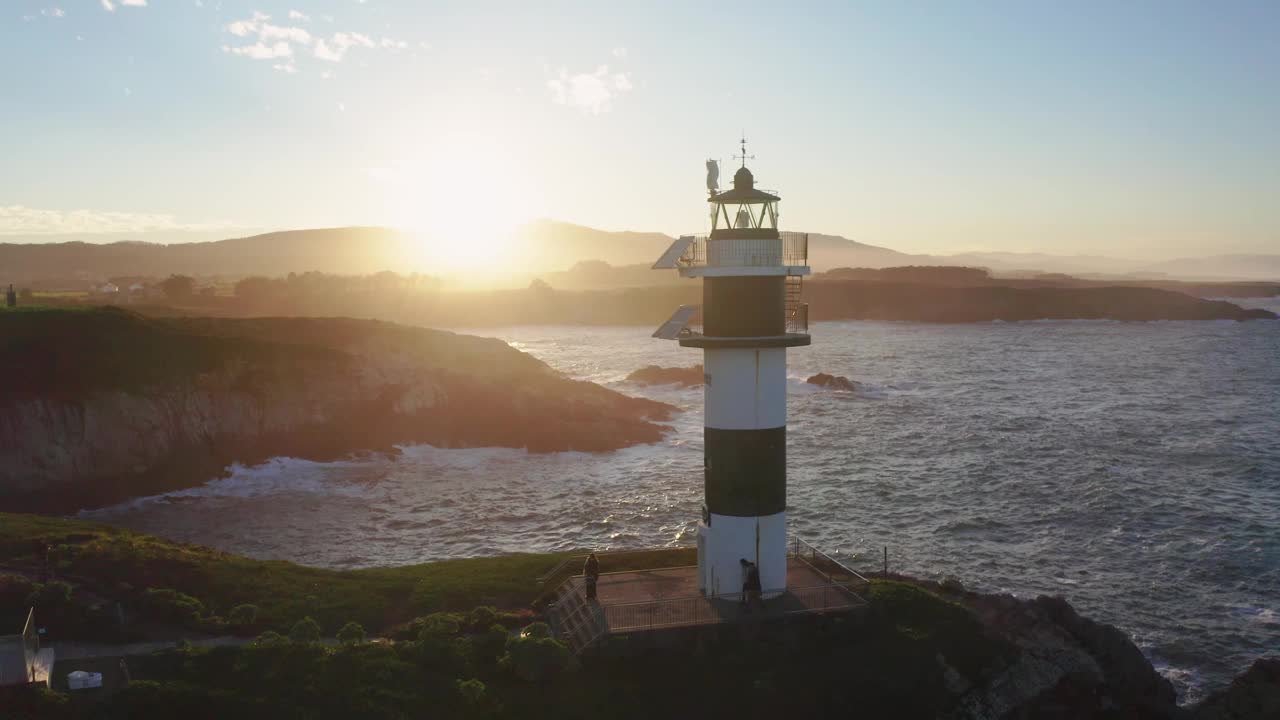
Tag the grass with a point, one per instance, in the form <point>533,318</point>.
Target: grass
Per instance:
<point>881,663</point>
<point>120,565</point>
<point>68,352</point>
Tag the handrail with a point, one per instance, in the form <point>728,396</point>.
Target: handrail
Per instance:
<point>729,596</point>
<point>581,557</point>
<point>816,553</point>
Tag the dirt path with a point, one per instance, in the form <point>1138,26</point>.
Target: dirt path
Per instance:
<point>74,650</point>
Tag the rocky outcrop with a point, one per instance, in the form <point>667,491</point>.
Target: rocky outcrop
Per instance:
<point>103,405</point>
<point>1067,666</point>
<point>655,375</point>
<point>834,382</point>
<point>1255,694</point>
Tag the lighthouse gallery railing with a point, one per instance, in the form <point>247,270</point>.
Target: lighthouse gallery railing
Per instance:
<point>790,249</point>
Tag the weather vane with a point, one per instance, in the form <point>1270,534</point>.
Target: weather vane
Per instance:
<point>744,157</point>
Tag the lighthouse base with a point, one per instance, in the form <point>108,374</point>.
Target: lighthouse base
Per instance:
<point>726,540</point>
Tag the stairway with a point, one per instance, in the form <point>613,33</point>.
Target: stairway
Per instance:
<point>793,296</point>
<point>575,620</point>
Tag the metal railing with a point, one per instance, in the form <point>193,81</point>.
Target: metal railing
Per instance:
<point>789,249</point>
<point>798,319</point>
<point>830,568</point>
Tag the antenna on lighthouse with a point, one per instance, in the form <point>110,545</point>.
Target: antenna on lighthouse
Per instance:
<point>744,157</point>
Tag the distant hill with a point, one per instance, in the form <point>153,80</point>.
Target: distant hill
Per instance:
<point>357,250</point>
<point>540,249</point>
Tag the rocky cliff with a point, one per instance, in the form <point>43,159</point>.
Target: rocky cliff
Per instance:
<point>101,405</point>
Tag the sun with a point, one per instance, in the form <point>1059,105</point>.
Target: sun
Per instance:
<point>461,196</point>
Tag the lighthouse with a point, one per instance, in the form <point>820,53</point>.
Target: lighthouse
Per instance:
<point>750,314</point>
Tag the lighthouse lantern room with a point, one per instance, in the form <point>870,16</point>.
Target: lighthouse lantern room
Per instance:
<point>750,314</point>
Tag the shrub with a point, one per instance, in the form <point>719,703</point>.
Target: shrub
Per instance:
<point>167,604</point>
<point>53,595</point>
<point>536,631</point>
<point>270,638</point>
<point>472,691</point>
<point>438,643</point>
<point>243,616</point>
<point>536,659</point>
<point>481,618</point>
<point>305,630</point>
<point>489,645</point>
<point>15,590</point>
<point>351,633</point>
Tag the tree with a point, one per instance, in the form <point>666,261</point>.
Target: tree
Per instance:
<point>178,287</point>
<point>305,630</point>
<point>243,616</point>
<point>351,633</point>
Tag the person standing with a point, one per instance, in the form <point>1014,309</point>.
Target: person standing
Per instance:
<point>591,571</point>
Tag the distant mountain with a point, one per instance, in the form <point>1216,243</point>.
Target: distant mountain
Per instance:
<point>551,245</point>
<point>543,248</point>
<point>1252,267</point>
<point>354,250</point>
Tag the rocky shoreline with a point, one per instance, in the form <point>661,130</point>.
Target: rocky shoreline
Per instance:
<point>1065,665</point>
<point>217,392</point>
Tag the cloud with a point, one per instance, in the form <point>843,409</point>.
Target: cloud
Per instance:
<point>324,52</point>
<point>336,48</point>
<point>261,51</point>
<point>245,28</point>
<point>620,52</point>
<point>134,3</point>
<point>20,220</point>
<point>108,6</point>
<point>589,92</point>
<point>56,12</point>
<point>271,42</point>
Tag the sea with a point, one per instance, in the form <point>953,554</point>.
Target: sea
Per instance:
<point>1130,467</point>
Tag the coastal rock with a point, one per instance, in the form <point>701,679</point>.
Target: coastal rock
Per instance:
<point>1067,666</point>
<point>1255,694</point>
<point>655,375</point>
<point>100,406</point>
<point>834,382</point>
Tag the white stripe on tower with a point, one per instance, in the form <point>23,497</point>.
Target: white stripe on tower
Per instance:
<point>748,388</point>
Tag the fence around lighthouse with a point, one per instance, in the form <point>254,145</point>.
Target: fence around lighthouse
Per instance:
<point>828,586</point>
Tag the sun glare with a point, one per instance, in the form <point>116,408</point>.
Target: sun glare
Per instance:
<point>462,196</point>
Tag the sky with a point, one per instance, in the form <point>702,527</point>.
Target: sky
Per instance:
<point>1135,129</point>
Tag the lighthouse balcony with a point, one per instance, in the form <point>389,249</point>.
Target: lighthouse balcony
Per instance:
<point>739,252</point>
<point>685,325</point>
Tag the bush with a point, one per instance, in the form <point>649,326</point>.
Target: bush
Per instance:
<point>481,618</point>
<point>167,604</point>
<point>243,616</point>
<point>351,633</point>
<point>489,645</point>
<point>305,630</point>
<point>472,691</point>
<point>270,638</point>
<point>536,631</point>
<point>536,659</point>
<point>53,595</point>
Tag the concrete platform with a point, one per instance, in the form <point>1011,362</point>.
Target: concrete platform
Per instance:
<point>668,597</point>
